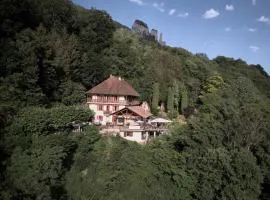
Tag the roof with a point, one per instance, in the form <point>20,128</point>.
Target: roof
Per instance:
<point>114,86</point>
<point>140,111</point>
<point>141,23</point>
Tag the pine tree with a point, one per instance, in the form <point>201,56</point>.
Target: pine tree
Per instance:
<point>176,98</point>
<point>170,100</point>
<point>183,98</point>
<point>155,97</point>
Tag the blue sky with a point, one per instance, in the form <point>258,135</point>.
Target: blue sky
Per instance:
<point>233,28</point>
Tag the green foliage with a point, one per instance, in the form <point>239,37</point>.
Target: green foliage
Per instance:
<point>170,100</point>
<point>53,51</point>
<point>35,120</point>
<point>37,172</point>
<point>213,83</point>
<point>130,166</point>
<point>176,95</point>
<point>155,98</point>
<point>183,98</point>
<point>72,93</point>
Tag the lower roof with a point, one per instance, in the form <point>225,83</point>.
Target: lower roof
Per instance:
<point>138,110</point>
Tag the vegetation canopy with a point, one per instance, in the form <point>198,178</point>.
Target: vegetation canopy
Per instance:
<point>53,51</point>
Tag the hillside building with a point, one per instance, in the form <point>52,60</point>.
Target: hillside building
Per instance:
<point>109,96</point>
<point>118,111</point>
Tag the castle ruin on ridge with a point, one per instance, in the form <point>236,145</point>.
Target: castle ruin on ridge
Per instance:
<point>142,29</point>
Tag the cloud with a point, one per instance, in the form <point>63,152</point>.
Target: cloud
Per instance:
<point>254,48</point>
<point>228,29</point>
<point>183,15</point>
<point>263,19</point>
<point>209,14</point>
<point>159,6</point>
<point>229,7</point>
<point>139,2</point>
<point>254,2</point>
<point>172,11</point>
<point>252,29</point>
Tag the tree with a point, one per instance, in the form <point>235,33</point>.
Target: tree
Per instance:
<point>183,98</point>
<point>52,51</point>
<point>72,93</point>
<point>37,172</point>
<point>213,83</point>
<point>176,95</point>
<point>172,113</point>
<point>170,100</point>
<point>155,97</point>
<point>95,36</point>
<point>42,121</point>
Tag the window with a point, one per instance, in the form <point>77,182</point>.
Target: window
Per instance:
<point>108,108</point>
<point>113,98</point>
<point>130,134</point>
<point>120,120</point>
<point>115,108</point>
<point>99,107</point>
<point>100,118</point>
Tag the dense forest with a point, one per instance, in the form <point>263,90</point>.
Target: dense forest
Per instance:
<point>53,51</point>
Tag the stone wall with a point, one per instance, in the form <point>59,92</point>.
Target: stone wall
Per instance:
<point>141,29</point>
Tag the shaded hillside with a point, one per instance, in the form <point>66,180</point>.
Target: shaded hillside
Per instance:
<point>119,25</point>
<point>53,51</point>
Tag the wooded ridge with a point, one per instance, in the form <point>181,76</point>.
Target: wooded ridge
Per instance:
<point>52,52</point>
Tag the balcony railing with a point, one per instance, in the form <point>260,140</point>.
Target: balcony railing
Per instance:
<point>108,112</point>
<point>143,128</point>
<point>89,100</point>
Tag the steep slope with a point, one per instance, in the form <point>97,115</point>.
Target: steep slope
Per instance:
<point>54,51</point>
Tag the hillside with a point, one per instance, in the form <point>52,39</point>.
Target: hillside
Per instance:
<point>53,51</point>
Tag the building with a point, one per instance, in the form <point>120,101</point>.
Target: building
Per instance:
<point>154,33</point>
<point>161,42</point>
<point>109,96</point>
<point>119,112</point>
<point>140,28</point>
<point>136,123</point>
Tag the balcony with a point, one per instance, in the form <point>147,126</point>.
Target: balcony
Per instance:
<point>107,101</point>
<point>107,112</point>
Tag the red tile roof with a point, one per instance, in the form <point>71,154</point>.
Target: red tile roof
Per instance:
<point>114,86</point>
<point>140,111</point>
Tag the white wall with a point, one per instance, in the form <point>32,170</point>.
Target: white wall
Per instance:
<point>121,98</point>
<point>137,136</point>
<point>94,107</point>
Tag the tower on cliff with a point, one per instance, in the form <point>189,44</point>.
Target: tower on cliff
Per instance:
<point>140,27</point>
<point>154,33</point>
<point>160,38</point>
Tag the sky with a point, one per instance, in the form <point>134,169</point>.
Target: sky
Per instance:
<point>232,28</point>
